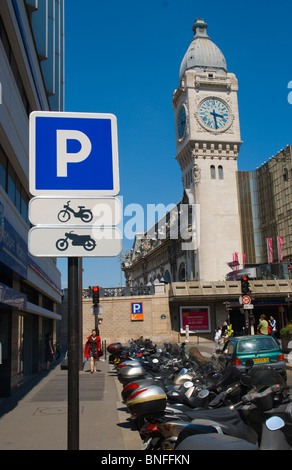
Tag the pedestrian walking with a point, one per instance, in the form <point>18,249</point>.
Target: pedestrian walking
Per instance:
<point>49,350</point>
<point>92,350</point>
<point>218,335</point>
<point>263,326</point>
<point>273,325</point>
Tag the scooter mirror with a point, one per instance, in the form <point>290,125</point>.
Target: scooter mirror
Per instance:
<point>188,384</point>
<point>203,393</point>
<point>275,423</point>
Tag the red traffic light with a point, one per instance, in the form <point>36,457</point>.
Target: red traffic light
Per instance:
<point>95,295</point>
<point>245,285</point>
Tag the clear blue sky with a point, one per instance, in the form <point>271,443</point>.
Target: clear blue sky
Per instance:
<point>123,57</point>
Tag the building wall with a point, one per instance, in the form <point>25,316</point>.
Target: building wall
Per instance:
<point>116,323</point>
<point>265,197</point>
<point>34,283</point>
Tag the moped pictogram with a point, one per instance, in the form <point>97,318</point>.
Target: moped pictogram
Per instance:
<point>84,214</point>
<point>77,240</point>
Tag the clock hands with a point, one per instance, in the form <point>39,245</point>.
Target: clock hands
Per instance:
<point>215,115</point>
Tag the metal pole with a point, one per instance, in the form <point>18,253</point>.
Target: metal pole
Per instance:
<point>73,355</point>
<point>80,306</point>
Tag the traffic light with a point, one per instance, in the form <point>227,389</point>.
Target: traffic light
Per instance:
<point>245,285</point>
<point>95,295</point>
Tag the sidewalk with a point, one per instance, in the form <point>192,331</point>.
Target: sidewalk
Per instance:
<point>37,420</point>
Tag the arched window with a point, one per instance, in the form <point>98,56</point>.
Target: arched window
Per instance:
<point>220,172</point>
<point>213,172</point>
<point>182,274</point>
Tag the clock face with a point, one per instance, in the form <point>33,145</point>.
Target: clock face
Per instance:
<point>182,122</point>
<point>214,114</point>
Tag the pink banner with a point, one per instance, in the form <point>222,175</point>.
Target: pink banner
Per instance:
<point>280,249</point>
<point>270,249</point>
<point>198,319</point>
<point>243,259</point>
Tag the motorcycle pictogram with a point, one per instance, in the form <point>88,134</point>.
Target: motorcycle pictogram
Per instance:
<point>84,214</point>
<point>77,240</point>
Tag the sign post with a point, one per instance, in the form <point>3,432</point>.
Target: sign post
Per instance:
<point>73,354</point>
<point>74,176</point>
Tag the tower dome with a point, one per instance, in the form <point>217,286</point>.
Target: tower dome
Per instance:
<point>202,52</point>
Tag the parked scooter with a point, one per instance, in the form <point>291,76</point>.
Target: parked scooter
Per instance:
<point>267,413</point>
<point>169,430</point>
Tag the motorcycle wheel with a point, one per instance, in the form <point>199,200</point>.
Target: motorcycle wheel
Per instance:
<point>63,216</point>
<point>87,216</point>
<point>89,245</point>
<point>62,244</point>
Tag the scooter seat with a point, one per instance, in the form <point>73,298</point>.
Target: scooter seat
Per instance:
<point>241,430</point>
<point>215,442</point>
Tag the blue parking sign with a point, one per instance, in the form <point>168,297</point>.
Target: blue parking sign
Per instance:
<point>136,307</point>
<point>73,153</point>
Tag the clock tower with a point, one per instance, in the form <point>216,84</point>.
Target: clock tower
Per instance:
<point>207,143</point>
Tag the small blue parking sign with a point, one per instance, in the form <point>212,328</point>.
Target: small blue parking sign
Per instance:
<point>73,153</point>
<point>136,307</point>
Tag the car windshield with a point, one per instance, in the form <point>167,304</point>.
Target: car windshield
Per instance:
<point>253,345</point>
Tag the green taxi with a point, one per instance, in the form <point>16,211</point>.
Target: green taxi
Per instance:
<point>262,349</point>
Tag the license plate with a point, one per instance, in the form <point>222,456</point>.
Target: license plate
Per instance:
<point>261,359</point>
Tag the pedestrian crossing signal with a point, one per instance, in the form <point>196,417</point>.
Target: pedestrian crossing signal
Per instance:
<point>245,285</point>
<point>95,295</point>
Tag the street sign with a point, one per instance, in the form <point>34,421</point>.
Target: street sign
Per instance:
<point>79,211</point>
<point>137,311</point>
<point>98,308</point>
<point>77,241</point>
<point>73,153</point>
<point>246,300</point>
<point>248,307</point>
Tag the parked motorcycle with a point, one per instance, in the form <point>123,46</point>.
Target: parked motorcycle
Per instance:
<point>168,431</point>
<point>268,414</point>
<point>177,402</point>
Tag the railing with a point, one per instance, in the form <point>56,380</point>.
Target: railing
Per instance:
<point>120,291</point>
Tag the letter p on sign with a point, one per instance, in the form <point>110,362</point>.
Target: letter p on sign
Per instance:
<point>63,157</point>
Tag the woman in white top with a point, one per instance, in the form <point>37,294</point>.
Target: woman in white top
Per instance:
<point>217,338</point>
